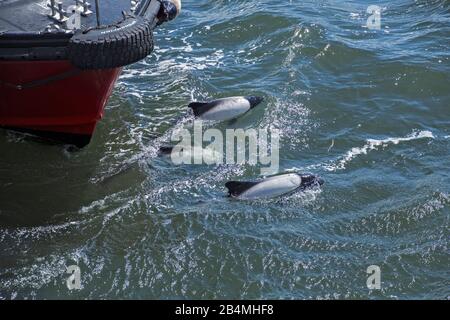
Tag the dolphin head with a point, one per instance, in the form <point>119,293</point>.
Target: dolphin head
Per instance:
<point>309,180</point>
<point>254,101</point>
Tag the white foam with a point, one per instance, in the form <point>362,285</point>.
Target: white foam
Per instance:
<point>291,119</point>
<point>374,144</point>
<point>38,232</point>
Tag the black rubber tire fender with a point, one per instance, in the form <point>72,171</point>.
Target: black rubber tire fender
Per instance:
<point>113,46</point>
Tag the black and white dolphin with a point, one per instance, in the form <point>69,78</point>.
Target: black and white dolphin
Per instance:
<point>272,187</point>
<point>208,155</point>
<point>224,109</point>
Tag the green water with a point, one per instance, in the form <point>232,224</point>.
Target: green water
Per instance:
<point>367,110</point>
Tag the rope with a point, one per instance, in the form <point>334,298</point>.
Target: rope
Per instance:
<point>41,82</point>
<point>97,12</point>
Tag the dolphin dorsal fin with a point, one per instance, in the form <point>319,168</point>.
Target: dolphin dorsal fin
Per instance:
<point>236,188</point>
<point>200,108</point>
<point>166,149</point>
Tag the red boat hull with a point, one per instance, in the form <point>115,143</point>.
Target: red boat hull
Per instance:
<point>52,98</point>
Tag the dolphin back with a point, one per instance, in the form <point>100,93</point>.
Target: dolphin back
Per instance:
<point>274,186</point>
<point>221,109</point>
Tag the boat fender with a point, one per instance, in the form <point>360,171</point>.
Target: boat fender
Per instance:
<point>118,45</point>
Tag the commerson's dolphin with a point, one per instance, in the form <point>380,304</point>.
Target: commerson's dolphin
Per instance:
<point>224,109</point>
<point>209,156</point>
<point>272,187</point>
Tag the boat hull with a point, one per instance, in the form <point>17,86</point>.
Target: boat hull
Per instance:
<point>54,99</point>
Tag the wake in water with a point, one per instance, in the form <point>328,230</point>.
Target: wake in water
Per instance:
<point>374,144</point>
<point>370,145</point>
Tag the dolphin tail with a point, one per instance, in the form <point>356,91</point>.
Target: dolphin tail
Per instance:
<point>235,188</point>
